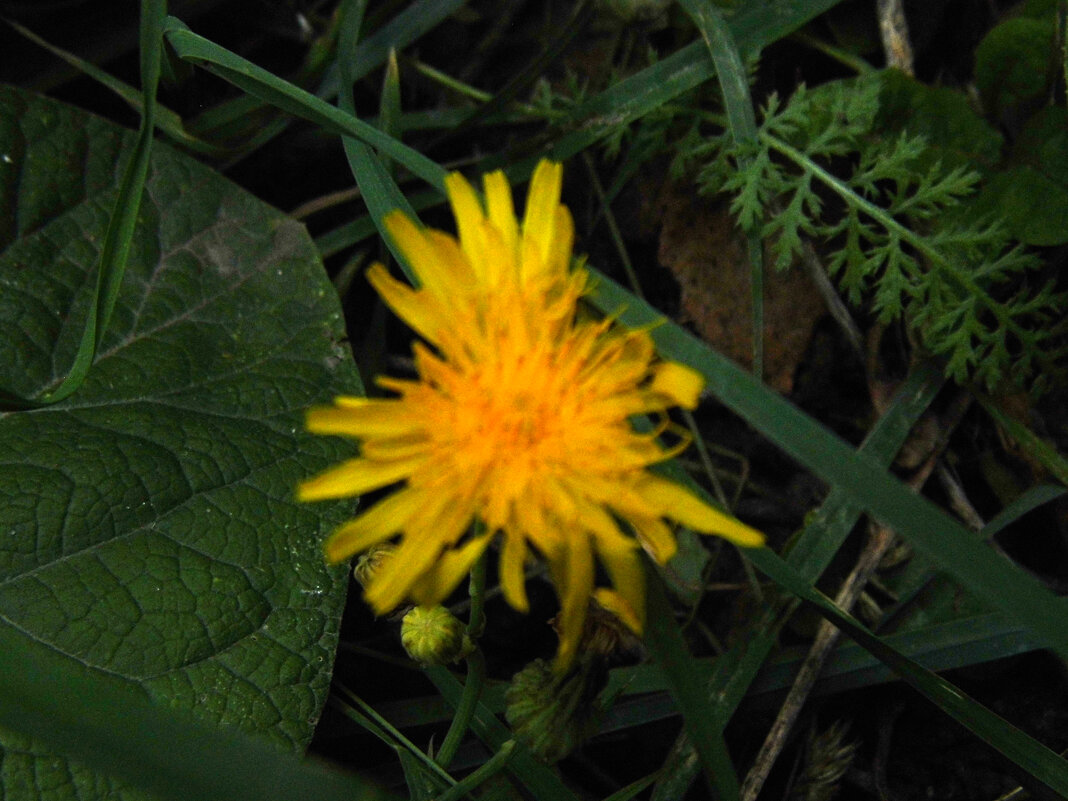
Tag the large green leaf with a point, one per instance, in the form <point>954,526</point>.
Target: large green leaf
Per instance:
<point>148,527</point>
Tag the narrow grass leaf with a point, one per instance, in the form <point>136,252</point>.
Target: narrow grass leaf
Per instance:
<point>753,29</point>
<point>1028,753</point>
<point>378,189</point>
<point>116,246</point>
<point>269,87</point>
<point>1037,447</point>
<point>414,21</point>
<point>930,530</point>
<point>687,686</point>
<point>167,121</point>
<point>1028,502</point>
<point>738,103</point>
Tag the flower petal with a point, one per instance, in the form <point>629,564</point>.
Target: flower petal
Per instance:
<point>421,252</point>
<point>620,557</point>
<point>467,210</point>
<point>573,577</point>
<point>500,208</point>
<point>513,581</point>
<point>655,537</point>
<point>543,199</point>
<point>408,304</point>
<point>436,584</point>
<point>378,523</point>
<point>436,526</point>
<point>362,418</point>
<point>679,504</point>
<point>678,382</point>
<point>355,477</point>
<point>620,607</point>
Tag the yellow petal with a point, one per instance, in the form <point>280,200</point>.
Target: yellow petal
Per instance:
<point>393,581</point>
<point>436,584</point>
<point>418,249</point>
<point>500,209</point>
<point>469,218</point>
<point>680,383</point>
<point>362,417</point>
<point>411,306</point>
<point>574,590</point>
<point>543,199</point>
<point>655,537</point>
<point>618,606</point>
<point>378,523</point>
<point>678,504</point>
<point>620,557</point>
<point>457,275</point>
<point>513,561</point>
<point>558,255</point>
<point>355,477</point>
<point>435,527</point>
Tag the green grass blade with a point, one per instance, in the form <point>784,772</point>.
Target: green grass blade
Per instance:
<point>1029,501</point>
<point>356,231</point>
<point>1037,447</point>
<point>810,553</point>
<point>268,87</point>
<point>417,19</point>
<point>167,121</point>
<point>117,239</point>
<point>926,527</point>
<point>112,727</point>
<point>686,685</point>
<point>753,30</point>
<point>734,84</point>
<point>1028,753</point>
<point>380,192</point>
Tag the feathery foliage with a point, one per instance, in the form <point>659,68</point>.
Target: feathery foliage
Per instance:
<point>895,229</point>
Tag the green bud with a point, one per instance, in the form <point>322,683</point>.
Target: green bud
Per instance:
<point>369,563</point>
<point>433,636</point>
<point>550,713</point>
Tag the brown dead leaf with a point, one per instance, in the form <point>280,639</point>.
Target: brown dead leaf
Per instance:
<point>701,245</point>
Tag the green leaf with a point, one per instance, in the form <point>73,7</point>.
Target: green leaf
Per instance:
<point>954,133</point>
<point>1032,194</point>
<point>1013,63</point>
<point>149,526</point>
<point>109,723</point>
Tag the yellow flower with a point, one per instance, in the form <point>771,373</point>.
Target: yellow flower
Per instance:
<point>519,418</point>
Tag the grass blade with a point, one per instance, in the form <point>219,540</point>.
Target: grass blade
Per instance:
<point>687,687</point>
<point>117,239</point>
<point>268,87</point>
<point>1032,756</point>
<point>976,566</point>
<point>742,122</point>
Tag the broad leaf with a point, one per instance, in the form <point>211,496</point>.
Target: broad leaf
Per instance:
<point>148,527</point>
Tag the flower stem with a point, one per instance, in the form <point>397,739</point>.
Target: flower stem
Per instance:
<point>491,767</point>
<point>476,668</point>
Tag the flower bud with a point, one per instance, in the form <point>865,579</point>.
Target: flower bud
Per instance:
<point>434,636</point>
<point>550,713</point>
<point>369,563</point>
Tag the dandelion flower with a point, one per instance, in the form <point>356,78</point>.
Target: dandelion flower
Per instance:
<point>519,419</point>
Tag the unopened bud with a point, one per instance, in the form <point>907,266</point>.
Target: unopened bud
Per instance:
<point>553,714</point>
<point>369,563</point>
<point>434,636</point>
